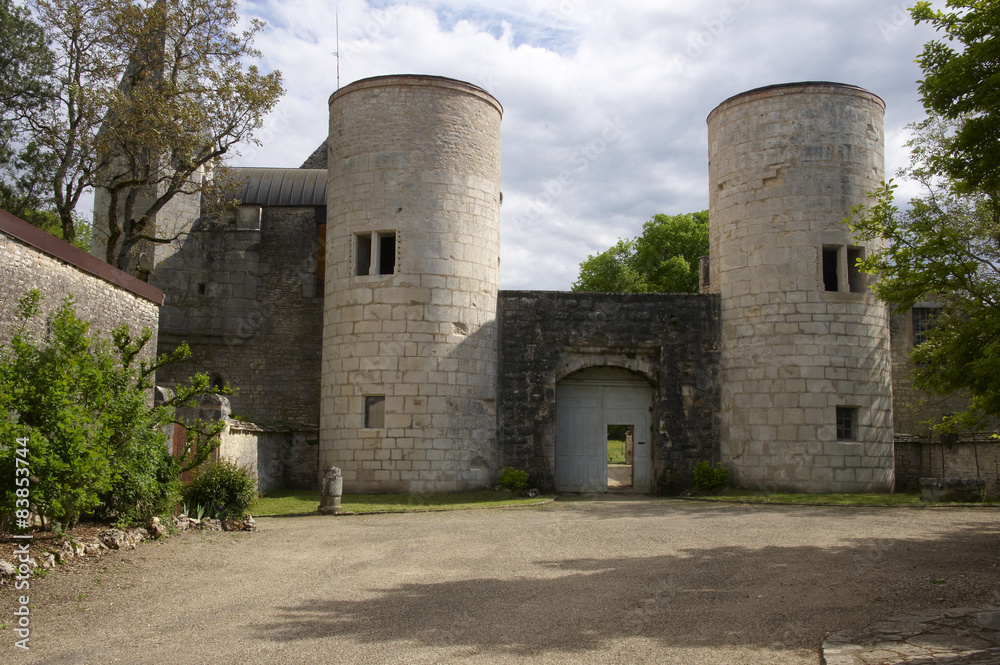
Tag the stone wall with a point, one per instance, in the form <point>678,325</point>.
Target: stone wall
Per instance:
<point>912,407</point>
<point>669,339</point>
<point>245,293</point>
<point>282,459</point>
<point>977,458</point>
<point>102,295</point>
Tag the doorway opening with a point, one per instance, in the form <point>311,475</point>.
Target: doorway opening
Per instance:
<point>587,402</point>
<point>621,445</point>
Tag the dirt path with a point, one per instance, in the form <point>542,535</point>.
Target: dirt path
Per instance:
<point>621,581</point>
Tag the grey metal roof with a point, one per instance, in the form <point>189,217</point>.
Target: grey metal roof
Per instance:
<point>280,187</point>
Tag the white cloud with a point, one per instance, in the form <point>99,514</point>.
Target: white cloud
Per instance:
<point>566,70</point>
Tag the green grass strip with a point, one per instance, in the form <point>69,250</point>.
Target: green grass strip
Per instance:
<point>899,499</point>
<point>301,502</point>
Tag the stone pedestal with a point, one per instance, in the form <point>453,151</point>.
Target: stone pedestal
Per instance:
<point>330,493</point>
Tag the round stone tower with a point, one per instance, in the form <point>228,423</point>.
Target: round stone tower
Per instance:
<point>408,397</point>
<point>806,391</point>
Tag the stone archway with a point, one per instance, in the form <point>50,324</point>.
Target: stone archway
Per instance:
<point>587,403</point>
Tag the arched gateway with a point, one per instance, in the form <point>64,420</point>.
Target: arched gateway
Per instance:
<point>591,406</point>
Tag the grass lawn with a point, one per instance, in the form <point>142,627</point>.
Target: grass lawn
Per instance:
<point>299,502</point>
<point>616,452</point>
<point>901,499</point>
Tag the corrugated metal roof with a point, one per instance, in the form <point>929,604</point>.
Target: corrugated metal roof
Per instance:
<point>280,187</point>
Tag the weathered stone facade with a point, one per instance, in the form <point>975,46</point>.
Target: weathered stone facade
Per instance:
<point>244,292</point>
<point>806,392</point>
<point>357,297</point>
<point>972,457</point>
<point>102,295</point>
<point>670,340</point>
<point>413,255</point>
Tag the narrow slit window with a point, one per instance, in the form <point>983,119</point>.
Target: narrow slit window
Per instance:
<point>362,253</point>
<point>847,423</point>
<point>855,278</point>
<point>374,411</point>
<point>831,277</point>
<point>387,253</point>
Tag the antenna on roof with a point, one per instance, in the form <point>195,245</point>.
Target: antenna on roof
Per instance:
<point>337,52</point>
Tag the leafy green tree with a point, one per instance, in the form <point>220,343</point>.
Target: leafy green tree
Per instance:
<point>664,259</point>
<point>96,445</point>
<point>26,63</point>
<point>945,247</point>
<point>961,80</point>
<point>150,94</point>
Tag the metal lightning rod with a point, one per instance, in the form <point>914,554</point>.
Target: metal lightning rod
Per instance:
<point>337,52</point>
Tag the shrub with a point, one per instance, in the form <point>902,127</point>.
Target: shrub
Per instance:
<point>708,478</point>
<point>223,488</point>
<point>95,444</point>
<point>513,479</point>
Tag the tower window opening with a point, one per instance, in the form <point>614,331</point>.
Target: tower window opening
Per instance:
<point>387,253</point>
<point>855,278</point>
<point>362,253</point>
<point>375,253</point>
<point>374,411</point>
<point>847,423</point>
<point>831,276</point>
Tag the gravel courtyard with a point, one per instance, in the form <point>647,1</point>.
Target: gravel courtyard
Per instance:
<point>609,581</point>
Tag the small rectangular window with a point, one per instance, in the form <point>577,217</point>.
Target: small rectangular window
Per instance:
<point>831,276</point>
<point>374,411</point>
<point>362,253</point>
<point>855,278</point>
<point>847,423</point>
<point>387,253</point>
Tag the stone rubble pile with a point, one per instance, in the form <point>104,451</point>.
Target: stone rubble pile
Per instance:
<point>69,548</point>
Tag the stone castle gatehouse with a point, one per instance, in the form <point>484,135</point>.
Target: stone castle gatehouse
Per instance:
<point>355,302</point>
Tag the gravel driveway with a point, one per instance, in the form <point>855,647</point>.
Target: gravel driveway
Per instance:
<point>612,581</point>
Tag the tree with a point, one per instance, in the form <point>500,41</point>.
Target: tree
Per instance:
<point>964,84</point>
<point>945,247</point>
<point>664,259</point>
<point>96,446</point>
<point>150,95</point>
<point>26,63</point>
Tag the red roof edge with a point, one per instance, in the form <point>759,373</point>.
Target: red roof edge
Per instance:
<point>62,250</point>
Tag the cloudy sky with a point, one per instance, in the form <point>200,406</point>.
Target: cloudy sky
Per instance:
<point>615,92</point>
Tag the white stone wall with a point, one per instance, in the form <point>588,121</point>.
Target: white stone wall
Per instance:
<point>786,165</point>
<point>103,305</point>
<point>420,157</point>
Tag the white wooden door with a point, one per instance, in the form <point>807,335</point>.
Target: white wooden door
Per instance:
<point>628,405</point>
<point>583,412</point>
<point>581,439</point>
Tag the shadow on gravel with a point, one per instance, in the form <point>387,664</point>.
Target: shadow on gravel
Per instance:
<point>774,597</point>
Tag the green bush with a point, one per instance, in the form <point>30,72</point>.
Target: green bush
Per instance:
<point>223,488</point>
<point>513,479</point>
<point>95,446</point>
<point>708,478</point>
